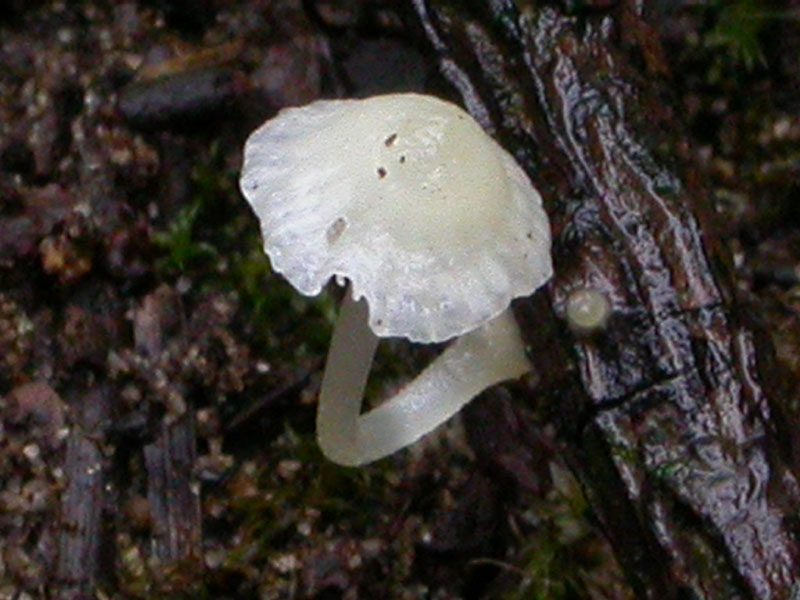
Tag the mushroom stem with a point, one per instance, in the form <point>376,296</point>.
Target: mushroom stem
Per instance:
<point>475,361</point>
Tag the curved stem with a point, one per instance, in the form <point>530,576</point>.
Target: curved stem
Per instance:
<point>475,361</point>
<point>349,361</point>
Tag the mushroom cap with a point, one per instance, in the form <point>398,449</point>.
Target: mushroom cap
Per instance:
<point>407,197</point>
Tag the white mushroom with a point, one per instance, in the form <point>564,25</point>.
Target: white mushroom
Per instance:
<point>436,228</point>
<point>587,311</point>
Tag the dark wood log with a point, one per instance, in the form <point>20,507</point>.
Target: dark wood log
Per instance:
<point>663,414</point>
<point>172,492</point>
<point>81,533</point>
<point>174,500</point>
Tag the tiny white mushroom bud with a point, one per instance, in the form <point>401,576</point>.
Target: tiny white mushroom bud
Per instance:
<point>587,311</point>
<point>435,227</point>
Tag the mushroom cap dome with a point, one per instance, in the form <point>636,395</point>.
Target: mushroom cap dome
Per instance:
<point>407,197</point>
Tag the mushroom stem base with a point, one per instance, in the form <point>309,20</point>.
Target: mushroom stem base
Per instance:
<point>477,360</point>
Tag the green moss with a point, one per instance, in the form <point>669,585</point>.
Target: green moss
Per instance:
<point>214,243</point>
<point>181,249</point>
<point>738,31</point>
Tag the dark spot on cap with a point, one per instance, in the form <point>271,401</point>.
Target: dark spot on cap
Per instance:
<point>529,235</point>
<point>402,158</point>
<point>335,230</point>
<point>389,141</point>
<point>381,172</point>
<point>378,321</point>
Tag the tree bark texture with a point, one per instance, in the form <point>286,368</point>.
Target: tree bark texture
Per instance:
<point>663,414</point>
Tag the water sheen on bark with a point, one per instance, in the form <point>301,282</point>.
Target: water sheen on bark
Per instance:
<point>667,417</point>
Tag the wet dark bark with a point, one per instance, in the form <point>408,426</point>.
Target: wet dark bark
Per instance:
<point>664,414</point>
